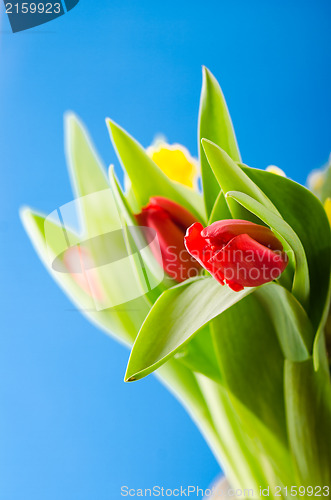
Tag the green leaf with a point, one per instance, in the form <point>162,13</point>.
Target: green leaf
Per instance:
<point>146,177</point>
<point>307,217</point>
<point>123,323</point>
<point>290,321</point>
<point>214,124</point>
<point>199,355</point>
<point>252,363</point>
<point>285,232</point>
<point>322,331</point>
<point>104,217</point>
<point>251,360</point>
<point>99,216</point>
<point>87,173</point>
<point>266,452</point>
<point>232,178</point>
<point>174,319</point>
<point>220,209</point>
<point>308,408</point>
<point>243,458</point>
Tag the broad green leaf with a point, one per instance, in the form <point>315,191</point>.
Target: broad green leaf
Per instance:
<point>98,217</point>
<point>104,214</point>
<point>86,169</point>
<point>265,451</point>
<point>102,219</point>
<point>308,408</point>
<point>307,217</point>
<point>232,178</point>
<point>199,355</point>
<point>174,319</point>
<point>214,124</point>
<point>251,360</point>
<point>123,323</point>
<point>146,177</point>
<point>285,232</point>
<point>87,173</point>
<point>252,363</point>
<point>290,321</point>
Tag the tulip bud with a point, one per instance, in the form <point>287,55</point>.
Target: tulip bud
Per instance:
<point>170,222</point>
<point>238,252</point>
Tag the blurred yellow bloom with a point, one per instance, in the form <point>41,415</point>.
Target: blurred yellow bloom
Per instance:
<point>276,170</point>
<point>316,181</point>
<point>327,206</point>
<point>175,161</point>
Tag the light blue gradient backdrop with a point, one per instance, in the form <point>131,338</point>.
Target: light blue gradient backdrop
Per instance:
<point>70,429</point>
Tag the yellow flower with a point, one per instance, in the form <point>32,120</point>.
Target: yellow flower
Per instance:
<point>276,170</point>
<point>175,161</point>
<point>327,206</point>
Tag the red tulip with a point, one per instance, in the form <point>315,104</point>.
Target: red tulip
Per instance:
<point>170,222</point>
<point>237,251</point>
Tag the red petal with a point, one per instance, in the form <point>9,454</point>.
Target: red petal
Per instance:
<point>182,217</point>
<point>142,217</point>
<point>201,250</point>
<point>175,259</point>
<point>245,262</point>
<point>221,232</point>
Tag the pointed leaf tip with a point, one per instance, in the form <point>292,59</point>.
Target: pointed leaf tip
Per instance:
<point>231,177</point>
<point>214,124</point>
<point>176,317</point>
<point>135,161</point>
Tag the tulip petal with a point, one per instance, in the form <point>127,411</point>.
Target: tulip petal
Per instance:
<point>301,281</point>
<point>182,217</point>
<point>175,259</point>
<point>245,262</point>
<point>200,249</point>
<point>221,232</point>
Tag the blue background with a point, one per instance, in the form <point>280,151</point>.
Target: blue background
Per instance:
<point>69,427</point>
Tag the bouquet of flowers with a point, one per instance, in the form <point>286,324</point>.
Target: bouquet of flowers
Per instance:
<point>217,275</point>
